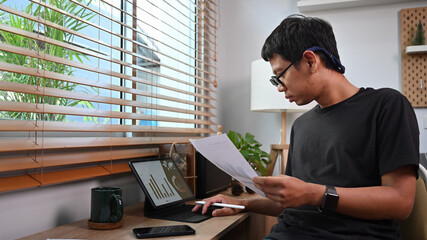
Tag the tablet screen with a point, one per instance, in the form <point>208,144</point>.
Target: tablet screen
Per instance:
<point>161,181</point>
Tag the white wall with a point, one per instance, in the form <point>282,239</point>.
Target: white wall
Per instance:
<point>244,25</point>
<point>368,41</point>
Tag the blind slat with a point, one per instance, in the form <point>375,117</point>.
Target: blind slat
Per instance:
<point>58,159</point>
<point>70,175</point>
<point>34,54</point>
<point>62,77</point>
<point>13,145</point>
<point>17,182</point>
<point>36,180</point>
<point>155,50</point>
<point>118,168</point>
<point>204,20</point>
<point>109,73</point>
<point>139,32</point>
<point>107,31</point>
<point>85,51</point>
<point>50,126</point>
<point>57,93</point>
<point>175,19</point>
<point>53,109</point>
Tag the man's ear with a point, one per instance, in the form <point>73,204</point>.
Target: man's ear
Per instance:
<point>311,58</point>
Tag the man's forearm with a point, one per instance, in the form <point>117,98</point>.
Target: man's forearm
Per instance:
<point>382,202</point>
<point>263,206</point>
<point>393,200</point>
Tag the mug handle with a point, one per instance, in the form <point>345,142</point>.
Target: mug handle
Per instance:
<point>116,208</point>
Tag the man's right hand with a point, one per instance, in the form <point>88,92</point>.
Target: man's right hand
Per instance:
<point>220,199</point>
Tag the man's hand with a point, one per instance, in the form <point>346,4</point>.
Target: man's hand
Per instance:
<point>288,191</point>
<point>220,199</point>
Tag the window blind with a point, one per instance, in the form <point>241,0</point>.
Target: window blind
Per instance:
<point>86,85</point>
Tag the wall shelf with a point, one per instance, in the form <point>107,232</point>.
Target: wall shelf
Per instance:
<point>319,5</point>
<point>416,49</point>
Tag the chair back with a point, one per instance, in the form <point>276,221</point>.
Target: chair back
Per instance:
<point>415,227</point>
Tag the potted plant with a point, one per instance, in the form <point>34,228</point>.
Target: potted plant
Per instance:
<point>250,149</point>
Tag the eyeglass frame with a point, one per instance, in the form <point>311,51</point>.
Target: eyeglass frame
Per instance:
<point>275,80</point>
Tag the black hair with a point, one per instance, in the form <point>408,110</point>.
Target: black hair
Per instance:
<point>295,34</point>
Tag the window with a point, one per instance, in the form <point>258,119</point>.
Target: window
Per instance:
<point>85,85</point>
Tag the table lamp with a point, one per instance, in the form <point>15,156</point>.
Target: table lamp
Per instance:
<point>266,98</point>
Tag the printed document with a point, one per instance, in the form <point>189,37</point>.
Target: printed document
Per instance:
<point>222,153</point>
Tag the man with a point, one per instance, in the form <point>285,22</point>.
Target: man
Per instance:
<point>353,158</point>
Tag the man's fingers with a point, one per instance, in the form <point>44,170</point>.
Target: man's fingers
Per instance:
<point>218,199</point>
<point>208,203</point>
<point>196,208</point>
<point>258,180</point>
<point>264,183</point>
<point>223,212</point>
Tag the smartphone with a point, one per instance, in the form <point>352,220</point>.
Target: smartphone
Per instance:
<point>163,231</point>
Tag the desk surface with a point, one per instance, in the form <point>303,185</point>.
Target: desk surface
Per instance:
<point>213,228</point>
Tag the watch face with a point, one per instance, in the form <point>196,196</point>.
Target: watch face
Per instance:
<point>330,201</point>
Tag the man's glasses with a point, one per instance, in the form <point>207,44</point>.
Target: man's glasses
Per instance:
<point>275,80</point>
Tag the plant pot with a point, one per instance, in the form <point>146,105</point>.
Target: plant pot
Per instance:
<point>236,188</point>
<point>248,190</point>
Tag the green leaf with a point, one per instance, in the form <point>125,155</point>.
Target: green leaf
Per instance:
<point>250,150</point>
<point>245,153</point>
<point>249,138</point>
<point>233,136</point>
<point>257,158</point>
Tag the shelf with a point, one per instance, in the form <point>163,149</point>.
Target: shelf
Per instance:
<point>319,5</point>
<point>416,49</point>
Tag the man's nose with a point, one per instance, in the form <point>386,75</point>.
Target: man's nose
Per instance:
<point>281,88</point>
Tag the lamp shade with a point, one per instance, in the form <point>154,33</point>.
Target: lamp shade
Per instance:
<point>265,97</point>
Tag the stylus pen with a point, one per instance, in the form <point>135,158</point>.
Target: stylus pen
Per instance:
<point>222,205</point>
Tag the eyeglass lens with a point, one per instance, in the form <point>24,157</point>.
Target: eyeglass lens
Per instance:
<point>275,80</point>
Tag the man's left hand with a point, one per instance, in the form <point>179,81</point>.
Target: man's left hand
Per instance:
<point>288,191</point>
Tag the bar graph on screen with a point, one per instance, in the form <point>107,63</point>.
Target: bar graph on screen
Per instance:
<point>163,181</point>
<point>161,192</point>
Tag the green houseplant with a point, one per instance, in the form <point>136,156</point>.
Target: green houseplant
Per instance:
<point>250,149</point>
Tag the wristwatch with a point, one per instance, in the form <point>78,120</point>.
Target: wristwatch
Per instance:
<point>330,200</point>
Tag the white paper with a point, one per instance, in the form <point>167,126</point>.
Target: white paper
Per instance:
<point>222,153</point>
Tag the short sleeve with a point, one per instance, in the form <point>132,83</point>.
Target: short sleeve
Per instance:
<point>397,133</point>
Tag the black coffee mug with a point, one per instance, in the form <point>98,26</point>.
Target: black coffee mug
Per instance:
<point>106,205</point>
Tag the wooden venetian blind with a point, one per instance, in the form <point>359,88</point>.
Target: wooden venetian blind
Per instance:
<point>86,85</point>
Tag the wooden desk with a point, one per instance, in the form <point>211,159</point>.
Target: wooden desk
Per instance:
<point>214,228</point>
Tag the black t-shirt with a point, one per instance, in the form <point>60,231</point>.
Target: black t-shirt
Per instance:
<point>349,144</point>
